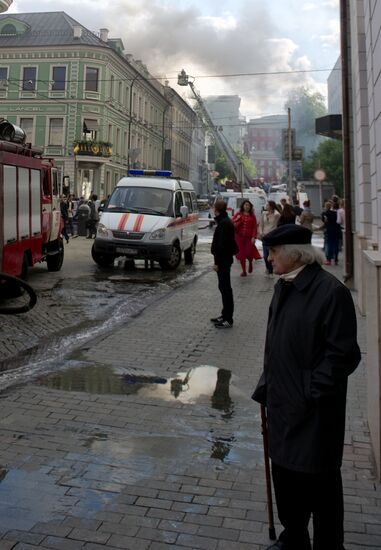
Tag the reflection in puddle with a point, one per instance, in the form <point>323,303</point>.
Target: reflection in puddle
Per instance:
<point>205,385</point>
<point>31,496</point>
<point>3,473</point>
<point>210,383</point>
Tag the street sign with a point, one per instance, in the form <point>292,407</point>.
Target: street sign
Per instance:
<point>319,175</point>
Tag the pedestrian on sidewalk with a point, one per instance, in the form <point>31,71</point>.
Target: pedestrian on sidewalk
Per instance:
<point>287,215</point>
<point>306,218</point>
<point>310,351</point>
<point>246,226</point>
<point>64,216</point>
<point>223,249</point>
<point>93,217</point>
<point>269,221</point>
<point>332,234</point>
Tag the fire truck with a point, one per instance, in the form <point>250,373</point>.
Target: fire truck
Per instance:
<point>30,214</point>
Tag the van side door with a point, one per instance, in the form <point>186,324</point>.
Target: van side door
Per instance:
<point>188,232</point>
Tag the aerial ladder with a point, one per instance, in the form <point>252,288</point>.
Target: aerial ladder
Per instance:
<point>222,143</point>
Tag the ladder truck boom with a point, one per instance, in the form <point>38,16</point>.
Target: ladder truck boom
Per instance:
<point>232,158</point>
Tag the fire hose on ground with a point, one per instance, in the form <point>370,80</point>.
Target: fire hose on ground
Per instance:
<point>12,285</point>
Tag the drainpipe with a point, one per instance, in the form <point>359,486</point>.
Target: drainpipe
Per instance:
<point>344,28</point>
<point>130,122</point>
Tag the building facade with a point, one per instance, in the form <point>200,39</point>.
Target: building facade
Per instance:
<point>264,146</point>
<point>95,110</point>
<point>224,112</point>
<point>335,90</point>
<point>364,49</point>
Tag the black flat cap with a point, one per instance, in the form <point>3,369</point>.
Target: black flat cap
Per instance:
<point>288,234</point>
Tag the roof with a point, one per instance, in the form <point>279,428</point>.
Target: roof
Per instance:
<point>171,184</point>
<point>45,29</point>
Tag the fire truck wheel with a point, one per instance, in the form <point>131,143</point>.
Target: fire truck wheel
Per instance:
<point>55,261</point>
<point>103,260</point>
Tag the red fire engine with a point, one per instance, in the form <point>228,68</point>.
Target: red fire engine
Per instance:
<point>30,215</point>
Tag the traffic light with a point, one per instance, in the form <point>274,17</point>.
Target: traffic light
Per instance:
<point>285,142</point>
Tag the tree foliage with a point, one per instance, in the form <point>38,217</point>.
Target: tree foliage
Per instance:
<point>328,157</point>
<point>223,167</point>
<point>305,106</point>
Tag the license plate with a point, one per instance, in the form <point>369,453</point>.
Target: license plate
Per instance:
<point>123,250</point>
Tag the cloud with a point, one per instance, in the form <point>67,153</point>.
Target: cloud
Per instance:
<point>168,35</point>
<point>332,38</point>
<point>309,7</point>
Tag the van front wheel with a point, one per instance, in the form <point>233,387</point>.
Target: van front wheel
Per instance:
<point>173,260</point>
<point>103,260</point>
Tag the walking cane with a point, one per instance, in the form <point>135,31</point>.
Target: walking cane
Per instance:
<point>265,434</point>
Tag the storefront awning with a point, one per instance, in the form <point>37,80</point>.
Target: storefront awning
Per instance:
<point>329,126</point>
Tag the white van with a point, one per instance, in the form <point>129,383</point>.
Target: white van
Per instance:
<point>150,216</point>
<point>234,200</point>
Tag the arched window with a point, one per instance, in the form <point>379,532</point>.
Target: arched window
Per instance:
<point>8,29</point>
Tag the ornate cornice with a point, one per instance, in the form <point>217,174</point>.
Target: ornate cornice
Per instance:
<point>4,5</point>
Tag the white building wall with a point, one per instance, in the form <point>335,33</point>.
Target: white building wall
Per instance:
<point>365,54</point>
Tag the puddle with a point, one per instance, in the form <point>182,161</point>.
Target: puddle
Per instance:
<point>28,497</point>
<point>204,382</point>
<point>95,309</point>
<point>3,473</point>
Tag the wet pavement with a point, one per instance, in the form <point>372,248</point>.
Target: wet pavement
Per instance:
<point>144,435</point>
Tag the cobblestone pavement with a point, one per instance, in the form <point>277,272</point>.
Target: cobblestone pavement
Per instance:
<point>148,439</point>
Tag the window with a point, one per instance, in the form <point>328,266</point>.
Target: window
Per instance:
<point>91,80</point>
<point>27,125</point>
<point>111,87</point>
<point>3,75</point>
<point>58,78</point>
<point>90,128</point>
<point>29,79</point>
<point>178,203</point>
<point>188,202</point>
<point>55,131</point>
<point>194,201</point>
<point>8,29</point>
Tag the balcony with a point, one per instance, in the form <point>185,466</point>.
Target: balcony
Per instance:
<point>92,148</point>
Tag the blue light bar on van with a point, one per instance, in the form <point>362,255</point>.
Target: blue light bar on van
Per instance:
<point>159,173</point>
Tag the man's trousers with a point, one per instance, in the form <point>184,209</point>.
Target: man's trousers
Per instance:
<point>224,286</point>
<point>298,496</point>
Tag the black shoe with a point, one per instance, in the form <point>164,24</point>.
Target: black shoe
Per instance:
<point>224,324</point>
<point>278,545</point>
<point>217,319</point>
<point>88,237</point>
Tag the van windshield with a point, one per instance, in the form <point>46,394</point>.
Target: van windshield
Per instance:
<point>145,200</point>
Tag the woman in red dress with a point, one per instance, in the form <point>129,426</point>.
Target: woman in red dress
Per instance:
<point>245,225</point>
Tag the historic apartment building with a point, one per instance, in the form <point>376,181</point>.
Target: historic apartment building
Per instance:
<point>95,110</point>
<point>264,145</point>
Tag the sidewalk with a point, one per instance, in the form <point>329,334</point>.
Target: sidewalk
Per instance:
<point>147,458</point>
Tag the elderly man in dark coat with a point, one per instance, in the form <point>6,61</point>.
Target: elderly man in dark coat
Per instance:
<point>310,351</point>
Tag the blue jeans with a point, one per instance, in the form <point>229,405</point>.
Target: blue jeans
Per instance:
<point>269,265</point>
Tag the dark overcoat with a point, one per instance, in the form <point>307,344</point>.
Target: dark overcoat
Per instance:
<point>310,350</point>
<point>223,244</point>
